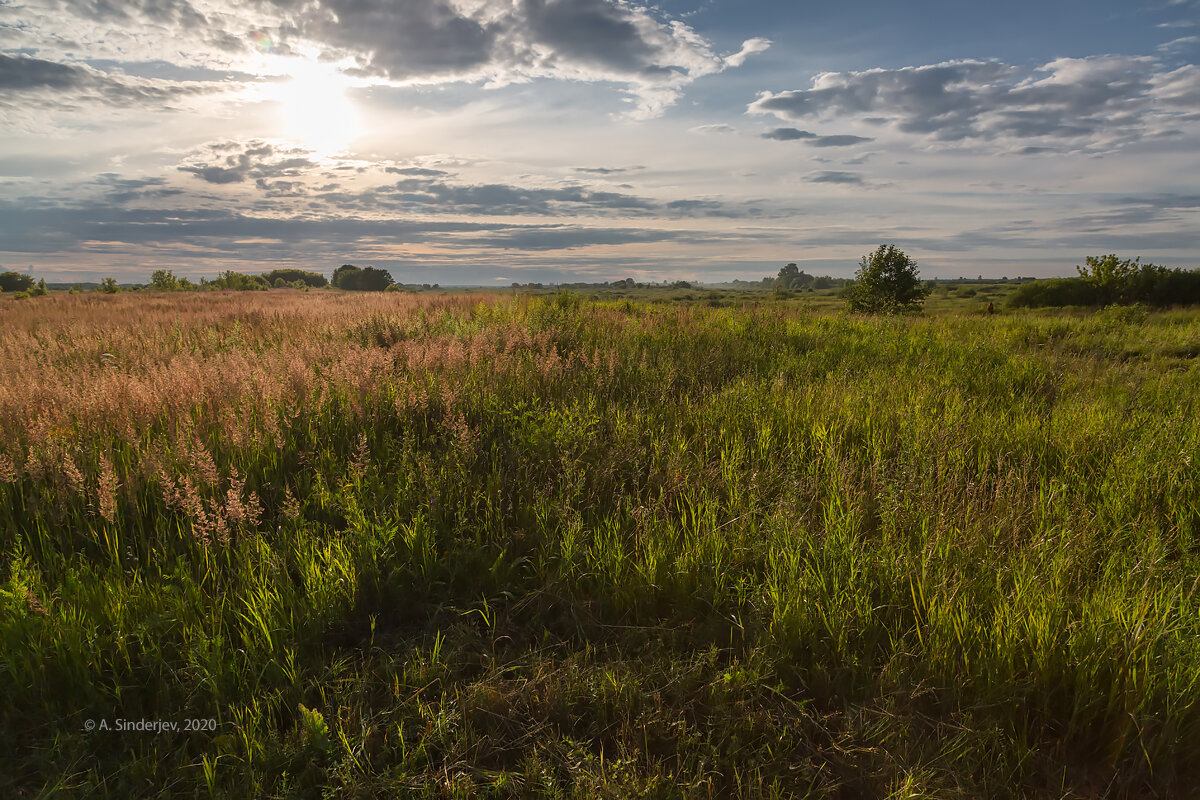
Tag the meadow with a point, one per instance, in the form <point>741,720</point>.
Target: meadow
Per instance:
<point>498,545</point>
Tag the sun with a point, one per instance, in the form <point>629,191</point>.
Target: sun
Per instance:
<point>314,109</point>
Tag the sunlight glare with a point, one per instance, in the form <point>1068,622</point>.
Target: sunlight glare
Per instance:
<point>315,110</point>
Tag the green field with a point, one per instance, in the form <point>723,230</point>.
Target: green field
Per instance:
<point>507,545</point>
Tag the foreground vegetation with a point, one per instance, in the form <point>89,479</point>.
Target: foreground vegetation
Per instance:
<point>537,546</point>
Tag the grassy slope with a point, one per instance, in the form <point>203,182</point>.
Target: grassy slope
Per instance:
<point>528,546</point>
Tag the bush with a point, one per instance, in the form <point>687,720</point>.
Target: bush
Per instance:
<point>886,283</point>
<point>108,286</point>
<point>1056,292</point>
<point>1109,280</point>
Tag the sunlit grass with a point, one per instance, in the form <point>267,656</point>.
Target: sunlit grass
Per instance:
<point>513,546</point>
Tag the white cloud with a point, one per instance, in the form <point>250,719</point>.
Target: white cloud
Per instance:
<point>403,43</point>
<point>1098,102</point>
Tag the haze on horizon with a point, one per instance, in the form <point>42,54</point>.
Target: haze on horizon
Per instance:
<point>479,142</point>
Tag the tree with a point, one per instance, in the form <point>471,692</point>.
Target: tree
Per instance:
<point>291,276</point>
<point>792,278</point>
<point>15,282</point>
<point>164,280</point>
<point>886,283</point>
<point>108,286</point>
<point>238,281</point>
<point>367,279</point>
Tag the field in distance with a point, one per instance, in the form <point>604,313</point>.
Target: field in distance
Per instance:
<point>543,545</point>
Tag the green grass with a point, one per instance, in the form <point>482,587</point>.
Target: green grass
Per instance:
<point>551,547</point>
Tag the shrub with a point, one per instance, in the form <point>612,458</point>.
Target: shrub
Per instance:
<point>108,286</point>
<point>1109,280</point>
<point>886,283</point>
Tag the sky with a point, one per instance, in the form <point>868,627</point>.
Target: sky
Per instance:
<point>485,142</point>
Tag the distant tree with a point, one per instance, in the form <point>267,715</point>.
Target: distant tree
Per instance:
<point>40,289</point>
<point>164,280</point>
<point>15,282</point>
<point>366,279</point>
<point>822,282</point>
<point>290,276</point>
<point>886,283</point>
<point>787,274</point>
<point>238,281</point>
<point>792,278</point>
<point>108,286</point>
<point>1108,280</point>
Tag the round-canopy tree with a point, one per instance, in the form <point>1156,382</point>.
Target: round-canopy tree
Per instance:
<point>886,283</point>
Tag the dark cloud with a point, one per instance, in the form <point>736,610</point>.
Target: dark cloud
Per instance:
<point>841,140</point>
<point>57,83</point>
<point>1177,201</point>
<point>834,176</point>
<point>218,233</point>
<point>127,190</point>
<point>257,160</point>
<point>411,39</point>
<point>607,170</point>
<point>815,140</point>
<point>1067,98</point>
<point>569,237</point>
<point>788,134</point>
<point>504,199</point>
<point>417,171</point>
<point>431,40</point>
<point>22,73</point>
<point>615,37</point>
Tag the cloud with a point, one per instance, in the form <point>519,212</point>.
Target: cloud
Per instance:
<point>425,190</point>
<point>58,84</point>
<point>645,51</point>
<point>810,138</point>
<point>842,140</point>
<point>607,170</point>
<point>788,134</point>
<point>851,178</point>
<point>718,128</point>
<point>257,160</point>
<point>1092,100</point>
<point>422,172</point>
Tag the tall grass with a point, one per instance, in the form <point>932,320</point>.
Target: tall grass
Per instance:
<point>498,546</point>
